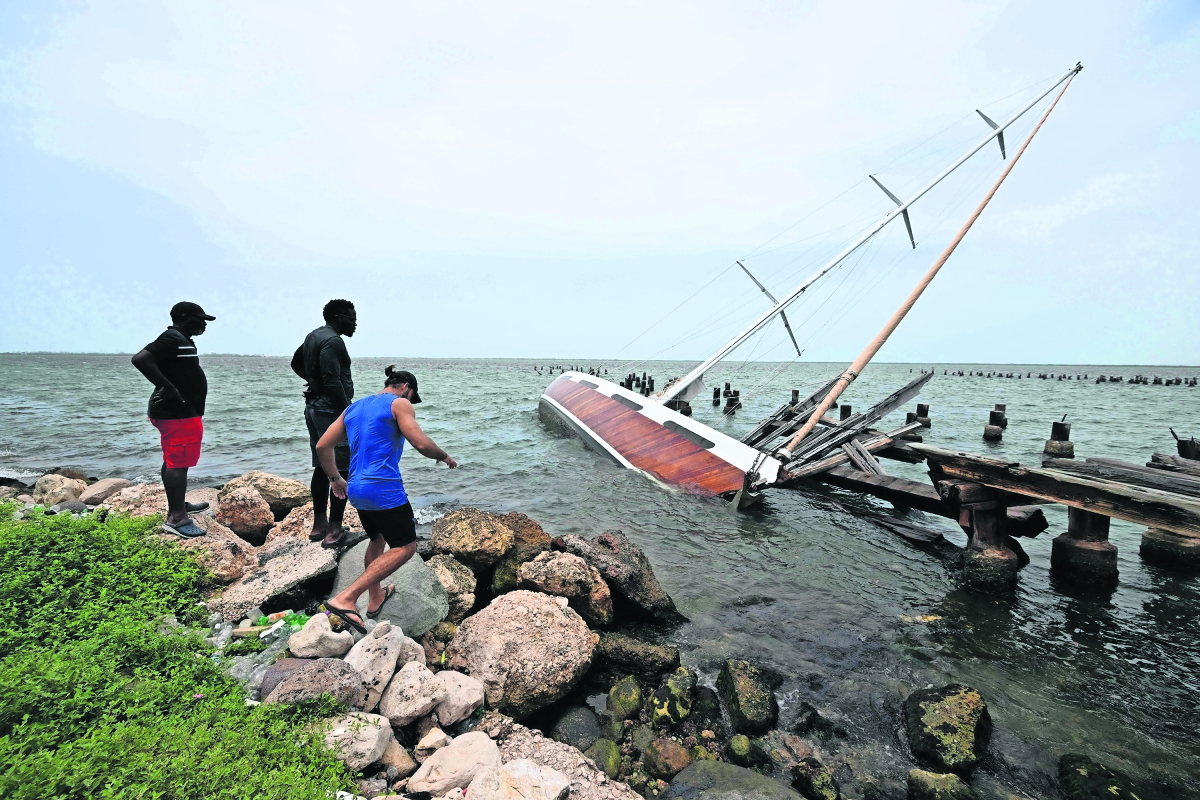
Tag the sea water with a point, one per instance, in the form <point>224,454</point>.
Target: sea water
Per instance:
<point>850,614</point>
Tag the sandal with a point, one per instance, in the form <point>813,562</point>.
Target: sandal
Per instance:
<point>195,508</point>
<point>388,591</point>
<point>332,543</point>
<point>186,530</point>
<point>343,615</point>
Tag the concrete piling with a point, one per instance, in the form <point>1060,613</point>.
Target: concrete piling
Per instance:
<point>1059,444</point>
<point>1001,409</point>
<point>1170,549</point>
<point>994,431</point>
<point>1084,554</point>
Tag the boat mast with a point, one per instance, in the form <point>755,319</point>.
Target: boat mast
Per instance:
<point>852,372</point>
<point>679,387</point>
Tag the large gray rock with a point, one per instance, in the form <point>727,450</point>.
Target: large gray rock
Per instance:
<point>413,692</point>
<point>456,765</point>
<point>627,571</point>
<point>528,649</point>
<point>330,676</point>
<point>359,739</point>
<point>748,697</point>
<point>101,490</point>
<point>375,656</point>
<point>714,780</point>
<point>278,671</point>
<point>420,601</point>
<point>521,779</point>
<point>286,563</point>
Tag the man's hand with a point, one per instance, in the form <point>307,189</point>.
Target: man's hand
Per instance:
<point>449,462</point>
<point>168,392</point>
<point>338,487</point>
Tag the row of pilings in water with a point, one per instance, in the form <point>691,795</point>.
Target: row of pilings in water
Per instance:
<point>1138,380</point>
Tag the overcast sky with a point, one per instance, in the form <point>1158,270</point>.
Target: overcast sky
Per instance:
<point>550,179</point>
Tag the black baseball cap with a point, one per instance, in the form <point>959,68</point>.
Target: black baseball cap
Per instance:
<point>404,376</point>
<point>179,309</point>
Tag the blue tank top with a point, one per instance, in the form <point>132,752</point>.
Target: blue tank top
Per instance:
<point>376,445</point>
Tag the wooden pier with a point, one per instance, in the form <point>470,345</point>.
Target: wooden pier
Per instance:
<point>995,501</point>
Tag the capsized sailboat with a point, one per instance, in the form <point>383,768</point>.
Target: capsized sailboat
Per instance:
<point>655,434</point>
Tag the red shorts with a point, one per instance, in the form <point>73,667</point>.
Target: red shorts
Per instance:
<point>180,440</point>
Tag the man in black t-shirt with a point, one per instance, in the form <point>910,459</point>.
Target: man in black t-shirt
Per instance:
<point>323,361</point>
<point>176,408</point>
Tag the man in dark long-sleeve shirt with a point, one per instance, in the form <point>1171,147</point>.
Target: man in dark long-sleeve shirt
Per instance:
<point>323,361</point>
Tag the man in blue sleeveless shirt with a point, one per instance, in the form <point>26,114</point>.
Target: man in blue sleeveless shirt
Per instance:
<point>377,427</point>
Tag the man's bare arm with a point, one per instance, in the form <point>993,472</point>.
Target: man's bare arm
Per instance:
<point>334,434</point>
<point>145,364</point>
<point>406,419</point>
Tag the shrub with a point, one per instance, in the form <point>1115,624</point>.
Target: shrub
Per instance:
<point>96,701</point>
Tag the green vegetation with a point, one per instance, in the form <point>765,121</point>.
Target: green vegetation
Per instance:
<point>96,701</point>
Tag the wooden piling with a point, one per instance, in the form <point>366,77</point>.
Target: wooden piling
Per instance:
<point>1084,554</point>
<point>846,411</point>
<point>1000,415</point>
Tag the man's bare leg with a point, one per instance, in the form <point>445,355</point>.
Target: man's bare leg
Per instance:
<point>175,483</point>
<point>320,495</point>
<point>378,568</point>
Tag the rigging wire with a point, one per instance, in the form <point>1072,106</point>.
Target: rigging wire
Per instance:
<point>709,324</point>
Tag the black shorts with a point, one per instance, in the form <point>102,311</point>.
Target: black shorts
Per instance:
<point>318,422</point>
<point>397,526</point>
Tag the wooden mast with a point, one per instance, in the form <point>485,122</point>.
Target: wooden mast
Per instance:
<point>852,372</point>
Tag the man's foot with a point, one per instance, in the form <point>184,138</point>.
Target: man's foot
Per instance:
<point>388,591</point>
<point>193,508</point>
<point>186,529</point>
<point>316,534</point>
<point>349,616</point>
<point>334,539</point>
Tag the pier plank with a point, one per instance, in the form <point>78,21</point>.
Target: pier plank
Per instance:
<point>1150,507</point>
<point>1174,463</point>
<point>1112,470</point>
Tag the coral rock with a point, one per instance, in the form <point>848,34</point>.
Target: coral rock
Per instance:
<point>280,494</point>
<point>948,727</point>
<point>323,676</point>
<point>456,765</point>
<point>459,583</point>
<point>526,648</point>
<point>474,537</point>
<point>245,513</point>
<point>412,693</point>
<point>359,739</point>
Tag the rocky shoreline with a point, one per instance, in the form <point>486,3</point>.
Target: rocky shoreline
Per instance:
<point>512,664</point>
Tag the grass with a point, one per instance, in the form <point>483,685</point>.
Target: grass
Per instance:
<point>96,702</point>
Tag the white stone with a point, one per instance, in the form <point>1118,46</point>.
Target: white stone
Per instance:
<point>359,739</point>
<point>374,656</point>
<point>456,765</point>
<point>520,780</point>
<point>464,694</point>
<point>317,640</point>
<point>412,693</point>
<point>430,743</point>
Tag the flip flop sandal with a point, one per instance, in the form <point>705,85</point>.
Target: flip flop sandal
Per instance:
<point>343,616</point>
<point>388,591</point>
<point>194,508</point>
<point>338,541</point>
<point>186,530</point>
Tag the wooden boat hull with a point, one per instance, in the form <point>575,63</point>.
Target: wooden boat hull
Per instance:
<point>641,434</point>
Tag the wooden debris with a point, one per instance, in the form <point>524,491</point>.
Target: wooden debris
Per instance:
<point>1174,463</point>
<point>1110,469</point>
<point>1154,508</point>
